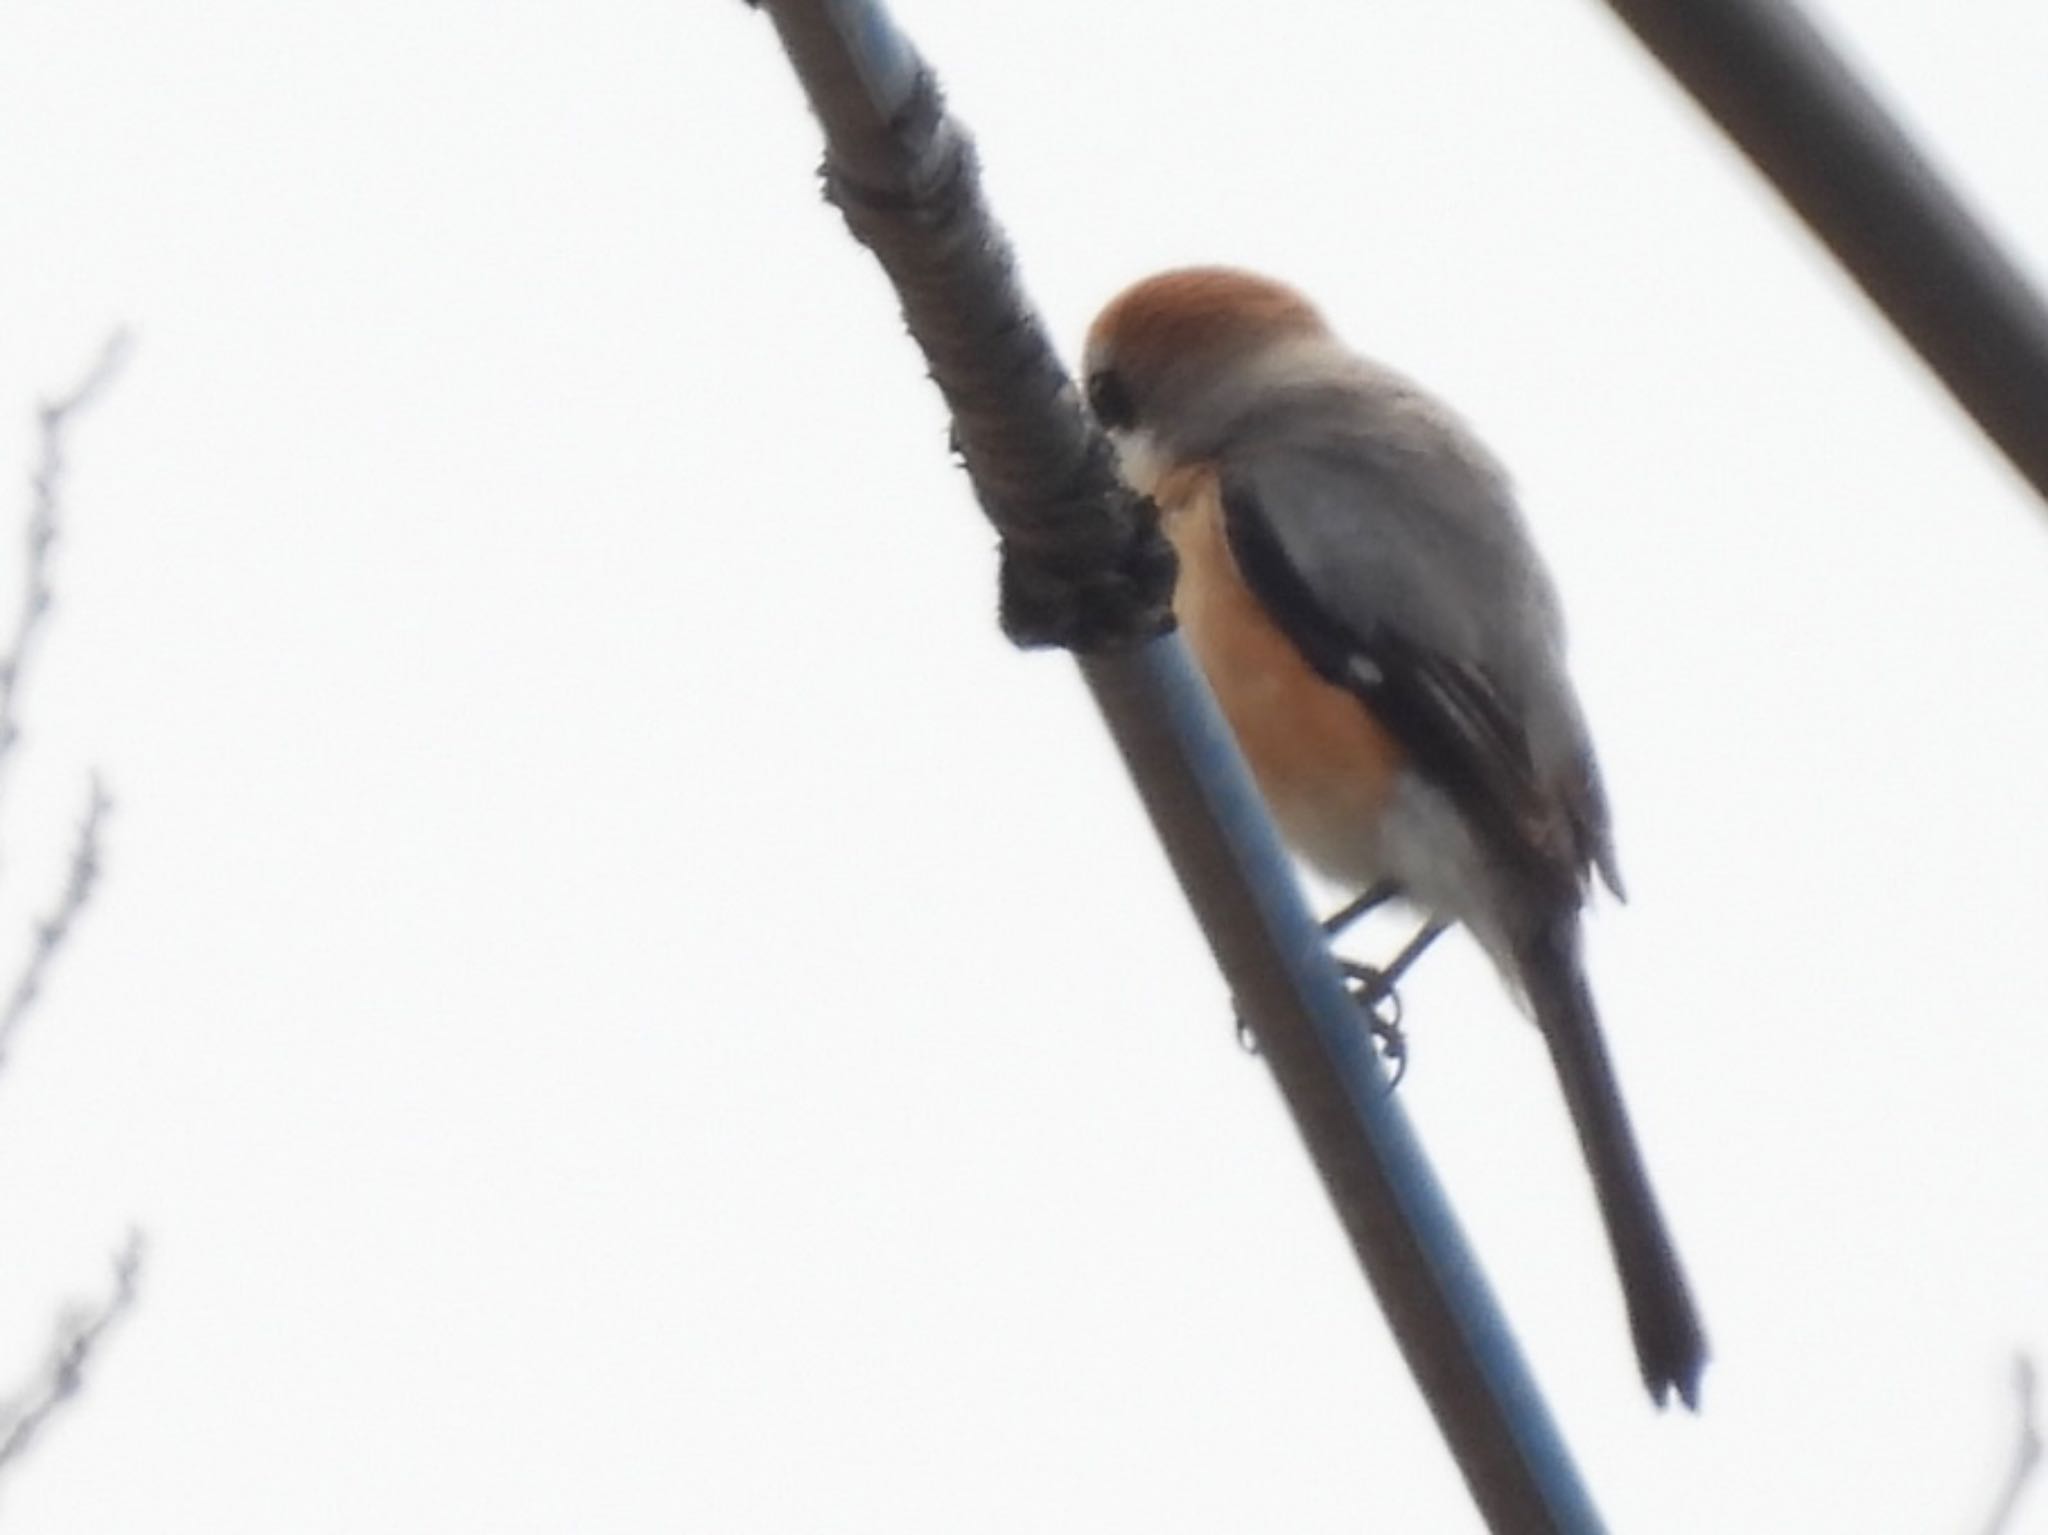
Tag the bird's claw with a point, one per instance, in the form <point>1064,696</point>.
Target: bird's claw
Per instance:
<point>1374,993</point>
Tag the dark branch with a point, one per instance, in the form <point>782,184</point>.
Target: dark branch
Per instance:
<point>1782,93</point>
<point>1084,563</point>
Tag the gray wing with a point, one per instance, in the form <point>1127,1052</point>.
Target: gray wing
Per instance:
<point>1399,567</point>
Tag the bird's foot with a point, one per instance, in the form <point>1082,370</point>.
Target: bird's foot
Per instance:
<point>1373,991</point>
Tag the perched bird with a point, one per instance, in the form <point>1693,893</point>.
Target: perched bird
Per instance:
<point>1359,588</point>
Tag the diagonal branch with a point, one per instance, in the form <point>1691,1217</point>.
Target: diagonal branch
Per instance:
<point>53,929</point>
<point>2026,1459</point>
<point>1084,566</point>
<point>78,1337</point>
<point>1780,91</point>
<point>46,484</point>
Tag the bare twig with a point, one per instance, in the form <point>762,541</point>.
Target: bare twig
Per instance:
<point>45,503</point>
<point>2026,1457</point>
<point>62,1375</point>
<point>51,932</point>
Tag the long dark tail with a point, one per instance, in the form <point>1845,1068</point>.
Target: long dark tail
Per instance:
<point>1671,1347</point>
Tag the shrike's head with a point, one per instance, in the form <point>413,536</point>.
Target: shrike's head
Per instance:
<point>1173,355</point>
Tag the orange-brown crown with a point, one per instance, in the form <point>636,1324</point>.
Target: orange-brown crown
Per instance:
<point>1197,312</point>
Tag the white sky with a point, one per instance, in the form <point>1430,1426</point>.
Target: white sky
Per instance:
<point>623,1005</point>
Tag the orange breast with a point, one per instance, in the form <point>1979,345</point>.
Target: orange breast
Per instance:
<point>1318,754</point>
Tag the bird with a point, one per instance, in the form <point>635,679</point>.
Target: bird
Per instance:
<point>1362,593</point>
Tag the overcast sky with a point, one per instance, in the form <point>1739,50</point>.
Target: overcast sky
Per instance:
<point>622,1004</point>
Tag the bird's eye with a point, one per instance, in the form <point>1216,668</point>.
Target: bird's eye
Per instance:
<point>1110,400</point>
